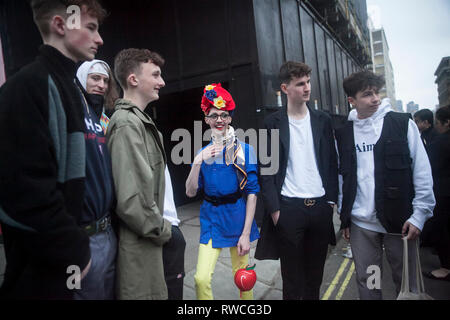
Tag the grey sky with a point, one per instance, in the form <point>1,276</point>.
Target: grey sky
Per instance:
<point>418,35</point>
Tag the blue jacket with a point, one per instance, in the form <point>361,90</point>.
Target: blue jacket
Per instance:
<point>224,223</point>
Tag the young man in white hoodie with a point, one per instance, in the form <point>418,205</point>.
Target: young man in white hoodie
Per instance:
<point>387,183</point>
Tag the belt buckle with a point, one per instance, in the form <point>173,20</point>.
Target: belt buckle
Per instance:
<point>309,202</point>
<point>103,224</point>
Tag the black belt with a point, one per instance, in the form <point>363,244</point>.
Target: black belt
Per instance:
<point>308,202</point>
<point>98,226</point>
<point>229,198</point>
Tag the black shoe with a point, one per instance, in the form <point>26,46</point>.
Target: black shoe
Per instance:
<point>428,274</point>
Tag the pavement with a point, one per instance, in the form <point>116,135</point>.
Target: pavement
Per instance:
<point>267,287</point>
<point>269,283</point>
<point>338,280</point>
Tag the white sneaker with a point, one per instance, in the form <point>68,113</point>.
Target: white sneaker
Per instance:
<point>349,253</point>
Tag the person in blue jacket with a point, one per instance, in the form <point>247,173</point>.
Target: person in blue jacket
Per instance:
<point>226,172</point>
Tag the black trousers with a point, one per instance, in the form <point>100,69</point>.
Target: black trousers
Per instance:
<point>173,260</point>
<point>30,281</point>
<point>442,230</point>
<point>303,234</point>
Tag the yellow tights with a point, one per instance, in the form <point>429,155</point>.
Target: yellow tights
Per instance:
<point>207,258</point>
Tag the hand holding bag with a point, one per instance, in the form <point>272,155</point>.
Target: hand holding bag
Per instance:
<point>405,293</point>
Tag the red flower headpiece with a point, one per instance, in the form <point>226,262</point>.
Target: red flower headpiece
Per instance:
<point>216,96</point>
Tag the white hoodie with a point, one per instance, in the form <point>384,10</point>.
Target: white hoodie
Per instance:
<point>366,134</point>
<point>93,66</point>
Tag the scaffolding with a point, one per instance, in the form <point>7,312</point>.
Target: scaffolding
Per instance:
<point>348,23</point>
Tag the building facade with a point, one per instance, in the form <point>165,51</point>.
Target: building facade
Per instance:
<point>399,105</point>
<point>443,81</point>
<point>382,64</point>
<point>240,43</point>
<point>412,107</point>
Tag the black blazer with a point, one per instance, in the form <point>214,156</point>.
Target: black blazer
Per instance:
<point>439,153</point>
<point>326,157</point>
<point>428,136</point>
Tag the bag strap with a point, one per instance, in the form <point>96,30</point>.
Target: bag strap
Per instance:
<point>419,277</point>
<point>405,271</point>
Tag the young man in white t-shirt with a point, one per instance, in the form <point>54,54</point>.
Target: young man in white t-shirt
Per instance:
<point>299,198</point>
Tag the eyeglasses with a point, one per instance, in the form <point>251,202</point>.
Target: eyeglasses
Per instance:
<point>215,116</point>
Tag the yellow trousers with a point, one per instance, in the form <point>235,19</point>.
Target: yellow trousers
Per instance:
<point>206,263</point>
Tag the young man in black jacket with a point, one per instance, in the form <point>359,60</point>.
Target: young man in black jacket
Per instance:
<point>439,160</point>
<point>299,198</point>
<point>424,121</point>
<point>42,168</point>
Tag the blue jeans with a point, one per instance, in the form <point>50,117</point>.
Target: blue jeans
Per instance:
<point>99,283</point>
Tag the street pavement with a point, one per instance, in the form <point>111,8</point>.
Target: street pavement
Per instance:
<point>338,281</point>
<point>269,283</point>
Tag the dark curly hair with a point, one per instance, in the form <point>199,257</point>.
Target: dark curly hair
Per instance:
<point>359,81</point>
<point>291,69</point>
<point>443,114</point>
<point>425,115</point>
